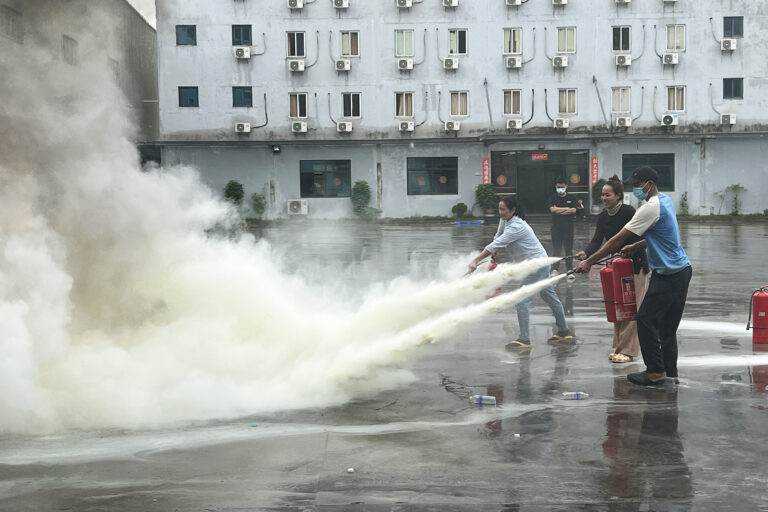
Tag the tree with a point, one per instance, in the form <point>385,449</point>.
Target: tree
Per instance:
<point>234,192</point>
<point>360,197</point>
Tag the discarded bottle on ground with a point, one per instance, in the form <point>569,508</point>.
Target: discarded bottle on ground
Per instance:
<point>575,395</point>
<point>483,400</point>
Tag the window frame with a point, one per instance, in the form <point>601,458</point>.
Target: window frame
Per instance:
<point>405,94</point>
<point>339,170</point>
<point>405,32</point>
<point>622,91</point>
<point>418,165</point>
<point>459,94</point>
<point>242,89</point>
<point>512,31</point>
<point>734,81</point>
<point>568,91</point>
<point>189,88</point>
<point>349,34</point>
<point>70,50</point>
<point>676,26</point>
<point>621,37</point>
<point>11,24</point>
<point>352,96</point>
<point>666,170</point>
<point>194,36</point>
<point>249,39</point>
<point>729,33</point>
<point>298,95</point>
<point>458,32</point>
<point>512,93</point>
<point>295,34</point>
<point>676,88</point>
<point>566,30</point>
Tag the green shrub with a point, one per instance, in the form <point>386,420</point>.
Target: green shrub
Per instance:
<point>459,210</point>
<point>360,197</point>
<point>234,192</point>
<point>259,204</point>
<point>597,191</point>
<point>485,197</point>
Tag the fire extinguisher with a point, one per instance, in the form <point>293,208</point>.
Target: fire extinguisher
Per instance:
<point>624,290</point>
<point>606,279</point>
<point>491,267</point>
<point>758,313</point>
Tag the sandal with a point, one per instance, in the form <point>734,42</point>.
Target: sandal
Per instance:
<point>621,358</point>
<point>611,356</point>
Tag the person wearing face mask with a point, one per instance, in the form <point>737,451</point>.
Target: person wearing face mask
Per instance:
<point>517,236</point>
<point>659,315</point>
<point>616,214</point>
<point>564,208</point>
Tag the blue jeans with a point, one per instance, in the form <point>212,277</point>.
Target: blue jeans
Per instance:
<point>550,297</point>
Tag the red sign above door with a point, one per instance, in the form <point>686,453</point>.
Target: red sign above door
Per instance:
<point>539,157</point>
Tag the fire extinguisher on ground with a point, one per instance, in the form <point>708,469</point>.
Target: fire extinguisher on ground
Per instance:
<point>758,315</point>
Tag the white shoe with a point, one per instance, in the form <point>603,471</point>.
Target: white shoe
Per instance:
<point>554,273</point>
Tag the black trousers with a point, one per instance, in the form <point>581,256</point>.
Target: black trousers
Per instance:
<point>562,244</point>
<point>658,319</point>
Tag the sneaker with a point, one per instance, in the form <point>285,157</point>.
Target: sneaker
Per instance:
<point>518,345</point>
<point>562,337</point>
<point>642,379</point>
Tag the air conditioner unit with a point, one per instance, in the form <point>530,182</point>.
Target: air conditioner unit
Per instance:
<point>728,44</point>
<point>559,2</point>
<point>296,65</point>
<point>670,120</point>
<point>404,64</point>
<point>451,63</point>
<point>623,122</point>
<point>341,4</point>
<point>344,126</point>
<point>295,4</point>
<point>669,1</point>
<point>242,127</point>
<point>343,65</point>
<point>406,126</point>
<point>514,2</point>
<point>623,1</point>
<point>514,124</point>
<point>727,119</point>
<point>450,3</point>
<point>297,207</point>
<point>452,126</point>
<point>562,122</point>
<point>560,61</point>
<point>623,59</point>
<point>242,52</point>
<point>405,4</point>
<point>299,127</point>
<point>513,62</point>
<point>670,58</point>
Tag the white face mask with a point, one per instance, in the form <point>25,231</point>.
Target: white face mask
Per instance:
<point>560,190</point>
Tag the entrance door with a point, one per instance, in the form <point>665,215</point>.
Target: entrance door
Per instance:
<point>535,184</point>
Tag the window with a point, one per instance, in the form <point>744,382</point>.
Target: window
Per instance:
<point>676,98</point>
<point>403,43</point>
<point>621,39</point>
<point>620,100</point>
<point>242,96</point>
<point>433,176</point>
<point>513,40</point>
<point>298,105</point>
<point>114,66</point>
<point>296,44</point>
<point>186,35</point>
<point>241,35</point>
<point>404,104</point>
<point>733,26</point>
<point>459,100</point>
<point>351,101</point>
<point>733,88</point>
<point>566,39</point>
<point>457,41</point>
<point>567,101</point>
<point>10,23</point>
<point>349,44</point>
<point>664,163</point>
<point>676,38</point>
<point>188,97</point>
<point>325,178</point>
<point>69,50</point>
<point>512,100</point>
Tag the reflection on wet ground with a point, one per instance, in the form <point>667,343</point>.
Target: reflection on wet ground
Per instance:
<point>700,445</point>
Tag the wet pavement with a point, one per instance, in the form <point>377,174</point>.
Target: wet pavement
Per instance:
<point>700,445</point>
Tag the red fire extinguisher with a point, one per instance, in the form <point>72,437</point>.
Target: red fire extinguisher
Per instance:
<point>606,279</point>
<point>491,267</point>
<point>624,290</point>
<point>758,315</point>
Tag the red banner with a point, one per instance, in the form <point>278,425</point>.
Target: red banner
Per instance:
<point>539,157</point>
<point>486,170</point>
<point>595,174</point>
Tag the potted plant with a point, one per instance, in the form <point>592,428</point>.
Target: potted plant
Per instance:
<point>360,197</point>
<point>597,192</point>
<point>486,198</point>
<point>459,210</point>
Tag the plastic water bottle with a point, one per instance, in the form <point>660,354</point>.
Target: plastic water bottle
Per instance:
<point>575,395</point>
<point>483,400</point>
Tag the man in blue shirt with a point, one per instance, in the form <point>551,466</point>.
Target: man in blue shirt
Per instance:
<point>661,311</point>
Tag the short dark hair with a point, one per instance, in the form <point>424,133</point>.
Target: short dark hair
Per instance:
<point>558,181</point>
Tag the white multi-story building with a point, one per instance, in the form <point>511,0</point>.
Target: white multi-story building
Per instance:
<point>422,99</point>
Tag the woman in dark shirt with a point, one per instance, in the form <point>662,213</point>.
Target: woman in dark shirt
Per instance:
<point>610,221</point>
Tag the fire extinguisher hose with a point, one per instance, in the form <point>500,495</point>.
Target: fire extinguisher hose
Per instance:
<point>751,300</point>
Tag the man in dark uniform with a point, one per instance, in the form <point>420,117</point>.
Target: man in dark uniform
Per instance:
<point>564,208</point>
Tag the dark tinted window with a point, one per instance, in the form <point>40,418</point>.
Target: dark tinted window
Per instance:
<point>325,178</point>
<point>433,176</point>
<point>186,35</point>
<point>664,163</point>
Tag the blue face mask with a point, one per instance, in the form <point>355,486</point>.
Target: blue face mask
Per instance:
<point>638,191</point>
<point>560,190</point>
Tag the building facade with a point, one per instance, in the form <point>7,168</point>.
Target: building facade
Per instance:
<point>424,100</point>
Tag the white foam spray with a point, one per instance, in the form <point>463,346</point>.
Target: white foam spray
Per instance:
<point>117,310</point>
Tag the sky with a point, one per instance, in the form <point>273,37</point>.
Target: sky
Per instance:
<point>146,8</point>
